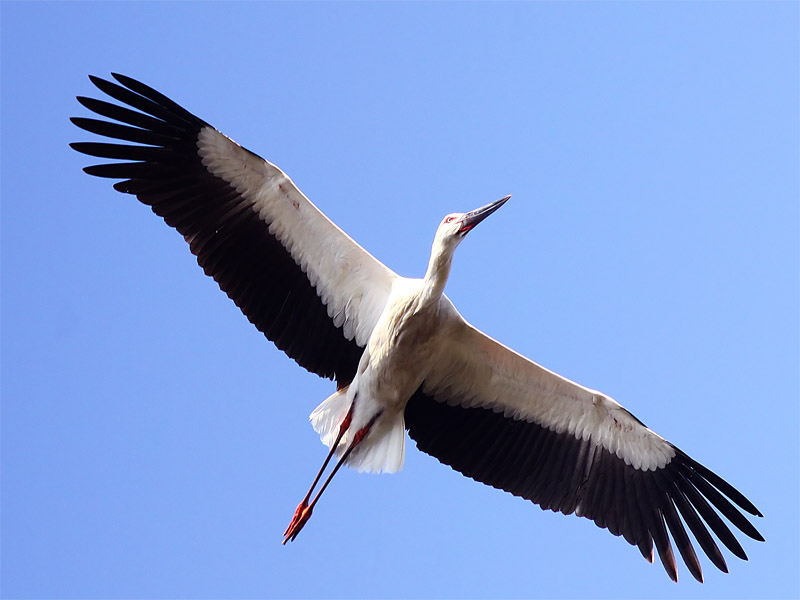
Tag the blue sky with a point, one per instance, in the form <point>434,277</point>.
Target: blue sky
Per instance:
<point>154,444</point>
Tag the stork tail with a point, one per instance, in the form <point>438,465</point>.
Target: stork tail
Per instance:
<point>383,451</point>
<point>329,415</point>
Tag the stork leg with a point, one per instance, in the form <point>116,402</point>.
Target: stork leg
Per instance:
<point>303,512</point>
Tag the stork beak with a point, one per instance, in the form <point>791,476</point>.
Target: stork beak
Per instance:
<point>472,218</point>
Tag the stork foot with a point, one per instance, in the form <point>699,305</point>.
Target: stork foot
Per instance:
<point>300,518</point>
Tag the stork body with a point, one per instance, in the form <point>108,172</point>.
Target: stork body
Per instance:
<point>402,356</point>
<point>407,342</point>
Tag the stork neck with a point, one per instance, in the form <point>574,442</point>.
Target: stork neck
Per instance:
<point>437,274</point>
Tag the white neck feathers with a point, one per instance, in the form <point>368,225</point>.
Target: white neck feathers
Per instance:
<point>438,271</point>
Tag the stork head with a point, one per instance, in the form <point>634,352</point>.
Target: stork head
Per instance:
<point>452,230</point>
<point>455,226</point>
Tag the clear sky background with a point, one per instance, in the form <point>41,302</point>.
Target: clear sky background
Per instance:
<point>154,444</point>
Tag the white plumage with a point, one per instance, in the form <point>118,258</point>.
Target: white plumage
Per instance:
<point>351,282</point>
<point>402,356</point>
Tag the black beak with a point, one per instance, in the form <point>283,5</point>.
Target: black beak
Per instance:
<point>474,217</point>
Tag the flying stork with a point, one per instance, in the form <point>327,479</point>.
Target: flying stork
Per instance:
<point>402,356</point>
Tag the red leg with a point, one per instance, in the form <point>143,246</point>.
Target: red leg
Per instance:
<point>303,512</point>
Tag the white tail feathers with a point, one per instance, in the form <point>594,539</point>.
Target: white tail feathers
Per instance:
<point>327,417</point>
<point>382,450</point>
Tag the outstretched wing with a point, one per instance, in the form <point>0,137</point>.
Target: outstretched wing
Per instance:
<point>297,277</point>
<point>501,419</point>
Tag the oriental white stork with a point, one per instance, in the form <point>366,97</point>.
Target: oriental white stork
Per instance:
<point>402,357</point>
